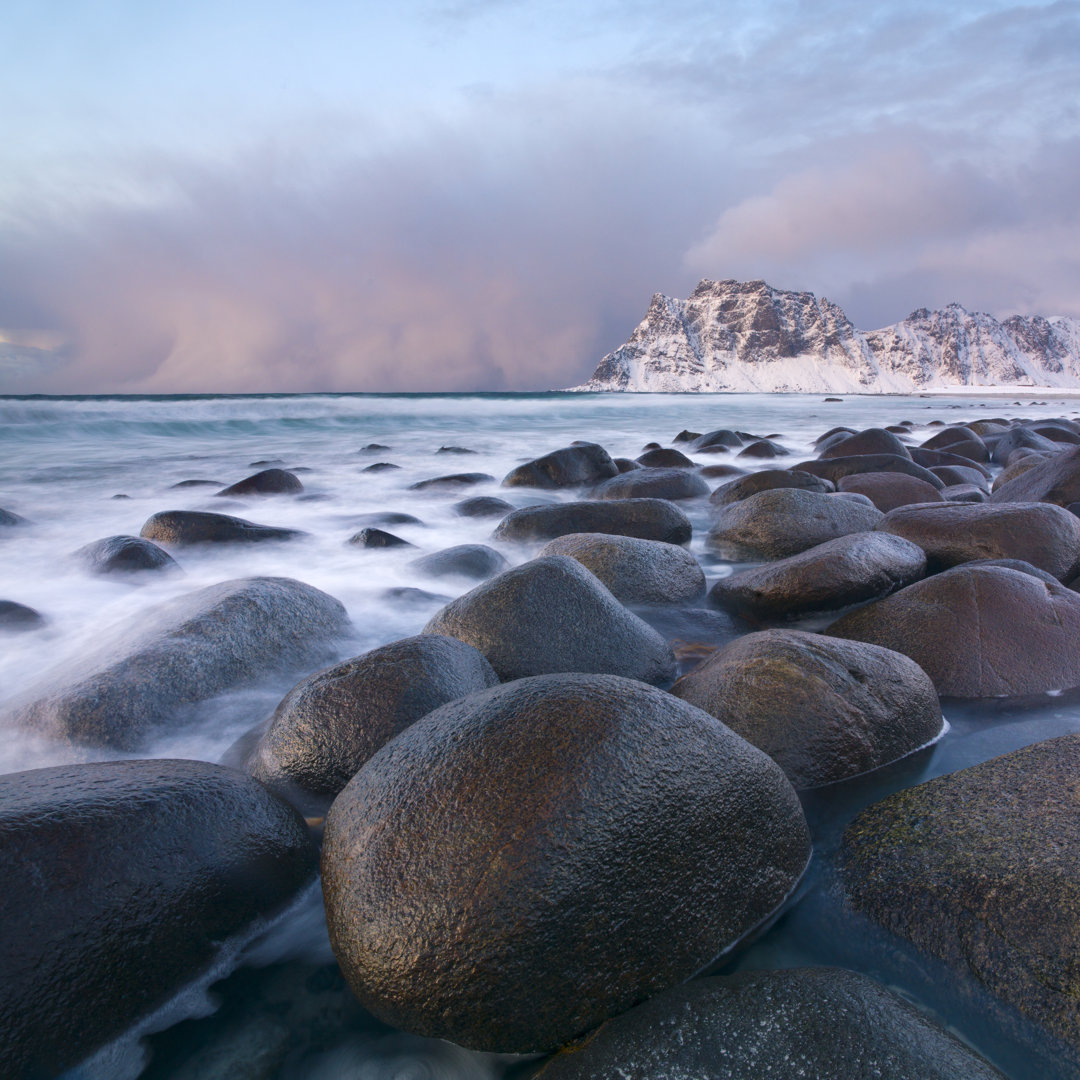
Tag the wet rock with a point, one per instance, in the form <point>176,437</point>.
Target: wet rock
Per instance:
<point>124,555</point>
<point>767,480</point>
<point>980,869</point>
<point>687,436</point>
<point>653,484</point>
<point>265,462</point>
<point>636,571</point>
<point>711,472</point>
<point>763,448</point>
<point>964,493</point>
<point>476,561</point>
<point>961,441</point>
<point>1044,535</point>
<point>713,441</point>
<point>121,881</point>
<point>454,450</point>
<point>1059,432</point>
<point>372,448</point>
<point>849,570</point>
<point>178,654</point>
<point>982,631</point>
<point>951,475</point>
<point>664,459</point>
<point>780,522</point>
<point>888,490</point>
<point>529,917</point>
<point>649,519</point>
<point>408,595</point>
<point>1021,437</point>
<point>380,466</point>
<point>572,466</point>
<point>455,480</point>
<point>1017,564</point>
<point>625,465</point>
<point>870,441</point>
<point>377,538</point>
<point>482,506</point>
<point>196,483</point>
<point>1053,480</point>
<point>15,618</point>
<point>823,1023</point>
<point>553,615</point>
<point>932,459</point>
<point>835,469</point>
<point>186,527</point>
<point>388,517</point>
<point>267,482</point>
<point>9,519</point>
<point>832,432</point>
<point>822,709</point>
<point>331,722</point>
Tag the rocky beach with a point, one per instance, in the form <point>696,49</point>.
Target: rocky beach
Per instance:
<point>562,735</point>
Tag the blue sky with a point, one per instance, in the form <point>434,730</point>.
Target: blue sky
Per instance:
<point>485,194</point>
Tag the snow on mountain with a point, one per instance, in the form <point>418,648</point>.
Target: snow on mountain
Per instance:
<point>748,337</point>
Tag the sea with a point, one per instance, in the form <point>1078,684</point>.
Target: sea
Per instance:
<point>83,468</point>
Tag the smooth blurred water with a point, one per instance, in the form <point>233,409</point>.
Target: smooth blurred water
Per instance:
<point>63,461</point>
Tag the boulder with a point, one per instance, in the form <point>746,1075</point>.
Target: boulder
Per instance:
<point>964,493</point>
<point>476,561</point>
<point>767,480</point>
<point>820,1023</point>
<point>961,441</point>
<point>888,490</point>
<point>687,436</point>
<point>653,484</point>
<point>784,521</point>
<point>664,459</point>
<point>1021,437</point>
<point>124,555</point>
<point>482,506</point>
<point>713,441</point>
<point>183,528</point>
<point>526,862</point>
<point>649,519</point>
<point>380,466</point>
<point>712,472</point>
<point>267,482</point>
<point>625,465</point>
<point>1044,535</point>
<point>833,432</point>
<point>982,631</point>
<point>178,654</point>
<point>1052,480</point>
<point>981,869</point>
<point>553,615</point>
<point>9,519</point>
<point>763,449</point>
<point>573,466</point>
<point>835,468</point>
<point>951,475</point>
<point>636,571</point>
<point>122,879</point>
<point>454,480</point>
<point>932,459</point>
<point>387,517</point>
<point>195,483</point>
<point>16,618</point>
<point>849,570</point>
<point>822,709</point>
<point>377,538</point>
<point>870,441</point>
<point>331,722</point>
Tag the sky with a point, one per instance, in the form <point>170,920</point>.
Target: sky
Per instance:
<point>450,195</point>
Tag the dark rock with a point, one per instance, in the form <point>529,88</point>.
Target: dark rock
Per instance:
<point>636,571</point>
<point>124,555</point>
<point>388,517</point>
<point>1017,564</point>
<point>888,490</point>
<point>377,538</point>
<point>265,462</point>
<point>981,631</point>
<point>15,618</point>
<point>980,869</point>
<point>120,496</point>
<point>553,615</point>
<point>835,469</point>
<point>870,441</point>
<point>1053,480</point>
<point>952,475</point>
<point>822,709</point>
<point>1021,438</point>
<point>185,527</point>
<point>833,431</point>
<point>267,482</point>
<point>767,480</point>
<point>931,459</point>
<point>822,1023</point>
<point>961,441</point>
<point>121,881</point>
<point>373,447</point>
<point>380,466</point>
<point>8,519</point>
<point>474,561</point>
<point>653,484</point>
<point>625,465</point>
<point>649,519</point>
<point>687,436</point>
<point>713,441</point>
<point>454,450</point>
<point>711,472</point>
<point>763,448</point>
<point>482,506</point>
<point>331,722</point>
<point>196,483</point>
<point>568,844</point>
<point>572,466</point>
<point>780,522</point>
<point>455,480</point>
<point>408,595</point>
<point>964,493</point>
<point>664,459</point>
<point>1057,433</point>
<point>181,653</point>
<point>1044,535</point>
<point>849,570</point>
<point>650,446</point>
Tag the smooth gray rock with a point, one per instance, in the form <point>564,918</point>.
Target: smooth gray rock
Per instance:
<point>870,441</point>
<point>649,519</point>
<point>475,561</point>
<point>15,618</point>
<point>186,527</point>
<point>454,481</point>
<point>377,538</point>
<point>482,506</point>
<point>124,555</point>
<point>766,480</point>
<point>9,519</point>
<point>1055,479</point>
<point>267,482</point>
<point>653,484</point>
<point>660,458</point>
<point>572,466</point>
<point>888,490</point>
<point>835,468</point>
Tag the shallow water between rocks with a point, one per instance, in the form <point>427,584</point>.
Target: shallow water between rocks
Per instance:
<point>279,1008</point>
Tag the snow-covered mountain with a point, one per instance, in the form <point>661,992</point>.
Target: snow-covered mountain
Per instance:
<point>746,336</point>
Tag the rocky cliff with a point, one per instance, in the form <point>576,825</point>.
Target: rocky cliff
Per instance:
<point>745,336</point>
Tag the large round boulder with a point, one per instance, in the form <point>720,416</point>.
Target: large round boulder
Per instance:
<point>474,561</point>
<point>331,722</point>
<point>849,570</point>
<point>780,522</point>
<point>1055,479</point>
<point>183,652</point>
<point>981,869</point>
<point>122,880</point>
<point>552,615</point>
<point>819,1023</point>
<point>835,469</point>
<point>978,631</point>
<point>870,441</point>
<point>526,862</point>
<point>16,618</point>
<point>822,709</point>
<point>676,483</point>
<point>636,571</point>
<point>888,490</point>
<point>765,480</point>
<point>267,482</point>
<point>453,481</point>
<point>124,555</point>
<point>1018,438</point>
<point>185,527</point>
<point>660,458</point>
<point>572,466</point>
<point>649,519</point>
